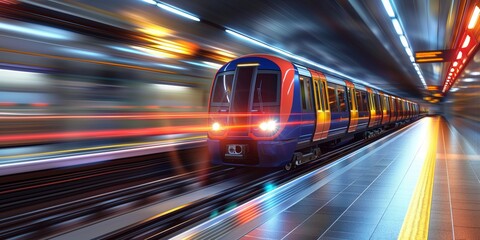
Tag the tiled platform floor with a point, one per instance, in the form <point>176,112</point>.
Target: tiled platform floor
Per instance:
<point>375,198</point>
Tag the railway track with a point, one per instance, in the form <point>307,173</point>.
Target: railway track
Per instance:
<point>52,220</point>
<point>167,225</point>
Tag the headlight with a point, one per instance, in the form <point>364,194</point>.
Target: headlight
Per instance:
<point>216,126</point>
<point>270,126</point>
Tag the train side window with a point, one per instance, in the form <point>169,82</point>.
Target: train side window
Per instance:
<point>393,107</point>
<point>371,103</point>
<point>332,99</point>
<point>341,98</point>
<point>349,96</point>
<point>364,100</point>
<point>324,97</point>
<point>378,106</point>
<point>358,96</point>
<point>316,88</point>
<point>306,93</point>
<point>386,104</point>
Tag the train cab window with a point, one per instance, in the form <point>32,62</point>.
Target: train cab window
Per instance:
<point>222,91</point>
<point>341,99</point>
<point>266,90</point>
<point>243,83</point>
<point>306,93</point>
<point>332,99</point>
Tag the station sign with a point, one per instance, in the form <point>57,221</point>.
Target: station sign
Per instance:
<point>433,56</point>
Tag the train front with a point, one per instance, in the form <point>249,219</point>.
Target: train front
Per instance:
<point>250,112</point>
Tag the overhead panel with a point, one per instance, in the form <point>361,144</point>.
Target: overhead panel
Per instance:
<point>433,56</point>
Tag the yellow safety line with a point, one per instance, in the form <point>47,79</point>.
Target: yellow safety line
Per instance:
<point>100,147</point>
<point>416,222</point>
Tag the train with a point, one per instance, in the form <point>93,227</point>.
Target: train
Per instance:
<point>266,111</point>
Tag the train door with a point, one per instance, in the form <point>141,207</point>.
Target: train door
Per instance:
<point>393,101</point>
<point>362,107</point>
<point>374,109</point>
<point>338,109</point>
<point>322,111</point>
<point>378,107</point>
<point>352,102</point>
<point>385,108</point>
<point>307,125</point>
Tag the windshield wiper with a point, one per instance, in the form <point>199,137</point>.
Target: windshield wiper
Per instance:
<point>259,93</point>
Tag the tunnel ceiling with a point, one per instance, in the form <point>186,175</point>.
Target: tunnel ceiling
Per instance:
<point>354,37</point>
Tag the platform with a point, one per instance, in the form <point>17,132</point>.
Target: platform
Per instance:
<point>419,183</point>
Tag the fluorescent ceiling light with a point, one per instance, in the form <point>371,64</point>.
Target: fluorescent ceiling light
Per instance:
<point>409,51</point>
<point>178,12</point>
<point>388,8</point>
<point>403,39</point>
<point>291,55</point>
<point>397,26</point>
<point>150,1</point>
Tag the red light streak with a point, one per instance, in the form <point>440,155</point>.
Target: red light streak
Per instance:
<point>104,133</point>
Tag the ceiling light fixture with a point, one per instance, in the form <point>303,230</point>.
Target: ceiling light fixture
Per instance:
<point>178,11</point>
<point>474,18</point>
<point>388,8</point>
<point>397,26</point>
<point>403,38</point>
<point>291,55</point>
<point>466,42</point>
<point>459,55</point>
<point>173,9</point>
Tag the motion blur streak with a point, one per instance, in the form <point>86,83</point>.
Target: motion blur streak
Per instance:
<point>78,70</point>
<point>138,145</point>
<point>104,133</point>
<point>172,116</point>
<point>86,60</point>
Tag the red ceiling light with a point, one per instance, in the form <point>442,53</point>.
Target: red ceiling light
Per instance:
<point>474,18</point>
<point>459,55</point>
<point>466,41</point>
<point>466,44</point>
